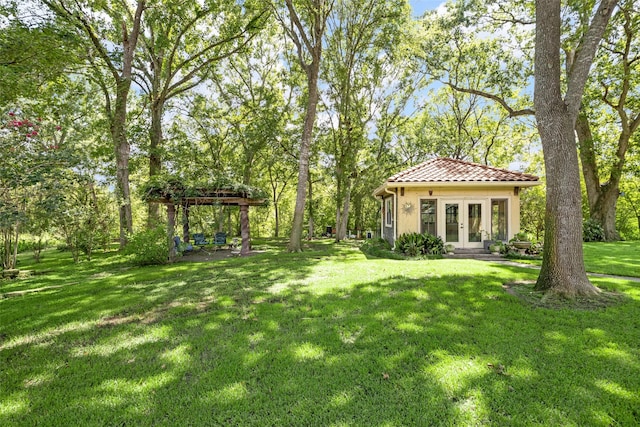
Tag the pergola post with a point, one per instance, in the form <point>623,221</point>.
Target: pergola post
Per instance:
<point>171,224</point>
<point>185,223</point>
<point>244,229</point>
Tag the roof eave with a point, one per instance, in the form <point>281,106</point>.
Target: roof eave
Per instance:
<point>396,184</point>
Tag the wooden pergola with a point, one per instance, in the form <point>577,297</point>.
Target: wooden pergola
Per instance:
<point>177,195</point>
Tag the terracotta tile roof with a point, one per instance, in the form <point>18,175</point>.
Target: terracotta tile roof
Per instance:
<point>450,170</point>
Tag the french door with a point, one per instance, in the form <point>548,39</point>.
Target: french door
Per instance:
<point>463,222</point>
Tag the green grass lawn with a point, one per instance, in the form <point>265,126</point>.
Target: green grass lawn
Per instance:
<point>619,258</point>
<point>616,258</point>
<point>326,337</point>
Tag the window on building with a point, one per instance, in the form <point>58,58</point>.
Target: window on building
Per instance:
<point>428,216</point>
<point>499,219</point>
<point>388,211</point>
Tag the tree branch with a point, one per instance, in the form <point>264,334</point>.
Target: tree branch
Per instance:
<point>295,21</point>
<point>80,22</point>
<point>499,100</point>
<point>586,51</point>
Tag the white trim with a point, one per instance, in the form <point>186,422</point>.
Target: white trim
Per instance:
<point>449,184</point>
<point>382,217</point>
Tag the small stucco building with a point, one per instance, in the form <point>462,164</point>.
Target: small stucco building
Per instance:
<point>463,203</point>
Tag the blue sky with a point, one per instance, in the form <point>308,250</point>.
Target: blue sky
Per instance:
<point>420,6</point>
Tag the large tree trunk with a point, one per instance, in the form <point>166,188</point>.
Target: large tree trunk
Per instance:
<point>357,213</point>
<point>247,170</point>
<point>14,255</point>
<point>119,123</point>
<point>295,242</point>
<point>338,202</point>
<point>122,151</point>
<point>311,213</point>
<point>602,198</point>
<point>276,210</point>
<point>563,270</point>
<point>345,211</point>
<point>342,216</point>
<point>605,212</point>
<point>277,219</point>
<point>155,157</point>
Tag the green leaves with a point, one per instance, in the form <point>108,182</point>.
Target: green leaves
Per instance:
<point>171,187</point>
<point>32,55</point>
<point>413,244</point>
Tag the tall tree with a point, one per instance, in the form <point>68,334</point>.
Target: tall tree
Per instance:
<point>35,156</point>
<point>180,42</point>
<point>364,38</point>
<point>305,24</point>
<point>112,29</point>
<point>556,112</point>
<point>610,116</point>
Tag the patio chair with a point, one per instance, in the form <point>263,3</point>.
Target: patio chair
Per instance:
<point>220,239</point>
<point>199,240</point>
<point>179,247</point>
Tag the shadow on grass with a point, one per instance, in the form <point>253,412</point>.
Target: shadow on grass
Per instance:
<point>257,341</point>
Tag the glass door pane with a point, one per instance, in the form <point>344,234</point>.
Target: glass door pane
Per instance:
<point>499,219</point>
<point>452,222</point>
<point>474,222</point>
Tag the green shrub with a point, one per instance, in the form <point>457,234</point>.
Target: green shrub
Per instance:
<point>522,237</point>
<point>148,247</point>
<point>496,247</point>
<point>379,248</point>
<point>414,244</point>
<point>592,231</point>
<point>433,244</point>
